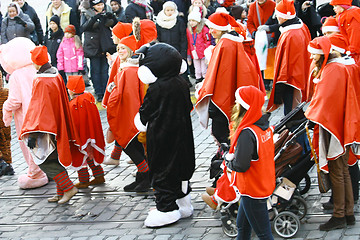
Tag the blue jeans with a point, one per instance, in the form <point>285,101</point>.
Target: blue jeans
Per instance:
<point>99,69</point>
<point>253,214</point>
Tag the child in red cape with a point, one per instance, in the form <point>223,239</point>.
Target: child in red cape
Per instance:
<point>88,123</point>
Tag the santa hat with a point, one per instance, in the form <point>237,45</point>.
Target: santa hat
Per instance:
<point>121,30</point>
<point>144,31</point>
<point>320,45</point>
<point>39,55</point>
<point>330,25</point>
<point>252,99</point>
<point>195,14</point>
<point>285,9</point>
<point>339,43</point>
<point>221,21</point>
<point>94,2</point>
<point>75,83</point>
<point>130,42</point>
<point>169,4</point>
<point>240,29</point>
<point>70,29</point>
<point>341,2</point>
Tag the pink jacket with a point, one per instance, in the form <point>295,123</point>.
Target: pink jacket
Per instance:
<point>68,57</point>
<point>202,41</point>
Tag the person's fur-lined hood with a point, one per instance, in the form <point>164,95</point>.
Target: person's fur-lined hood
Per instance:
<point>199,27</point>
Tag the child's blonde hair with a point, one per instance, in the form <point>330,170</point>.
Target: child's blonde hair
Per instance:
<point>199,27</point>
<point>237,114</point>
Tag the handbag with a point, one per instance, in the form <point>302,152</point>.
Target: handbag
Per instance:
<point>323,178</point>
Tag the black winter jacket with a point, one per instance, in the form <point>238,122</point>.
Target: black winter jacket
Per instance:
<point>38,33</point>
<point>134,10</point>
<point>52,43</point>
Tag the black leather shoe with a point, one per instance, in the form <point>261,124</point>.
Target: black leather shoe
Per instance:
<point>350,220</point>
<point>333,223</point>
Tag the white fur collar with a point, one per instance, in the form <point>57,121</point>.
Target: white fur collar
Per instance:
<point>290,27</point>
<point>343,60</point>
<point>232,37</point>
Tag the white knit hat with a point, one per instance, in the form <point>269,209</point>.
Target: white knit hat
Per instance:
<point>195,14</point>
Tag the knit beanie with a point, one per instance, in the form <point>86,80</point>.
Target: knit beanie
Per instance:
<point>55,19</point>
<point>169,4</point>
<point>94,2</point>
<point>195,14</point>
<point>70,29</point>
<point>76,84</point>
<point>118,1</point>
<point>39,55</point>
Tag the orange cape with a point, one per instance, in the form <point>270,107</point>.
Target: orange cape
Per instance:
<point>229,68</point>
<point>88,123</point>
<point>49,112</point>
<point>124,103</point>
<point>113,72</point>
<point>335,107</point>
<point>292,60</point>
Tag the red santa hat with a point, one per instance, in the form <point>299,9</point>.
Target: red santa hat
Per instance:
<point>252,99</point>
<point>320,45</point>
<point>240,29</point>
<point>221,21</point>
<point>121,30</point>
<point>285,9</point>
<point>340,2</point>
<point>76,84</point>
<point>144,31</point>
<point>130,42</point>
<point>39,55</point>
<point>339,43</point>
<point>330,25</point>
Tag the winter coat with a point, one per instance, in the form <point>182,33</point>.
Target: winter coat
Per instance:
<point>199,41</point>
<point>175,36</point>
<point>97,33</point>
<point>120,15</point>
<point>52,42</point>
<point>134,10</point>
<point>37,36</point>
<point>67,16</point>
<point>69,58</point>
<point>11,29</point>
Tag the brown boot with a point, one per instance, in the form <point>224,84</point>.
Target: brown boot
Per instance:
<point>82,185</point>
<point>55,198</point>
<point>97,180</point>
<point>68,195</point>
<point>209,200</point>
<point>210,190</point>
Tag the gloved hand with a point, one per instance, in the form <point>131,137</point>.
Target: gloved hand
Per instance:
<point>109,15</point>
<point>31,142</point>
<point>20,21</point>
<point>264,27</point>
<point>224,148</point>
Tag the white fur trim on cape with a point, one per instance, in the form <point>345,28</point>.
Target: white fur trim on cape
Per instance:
<point>291,27</point>
<point>343,60</point>
<point>208,52</point>
<point>46,75</point>
<point>330,29</point>
<point>217,27</point>
<point>138,124</point>
<point>183,67</point>
<point>145,75</point>
<point>315,50</point>
<point>287,15</point>
<point>233,38</point>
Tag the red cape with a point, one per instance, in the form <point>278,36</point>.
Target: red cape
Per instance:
<point>265,11</point>
<point>124,103</point>
<point>49,112</point>
<point>349,24</point>
<point>229,68</point>
<point>292,60</point>
<point>88,123</point>
<point>335,107</point>
<point>113,73</point>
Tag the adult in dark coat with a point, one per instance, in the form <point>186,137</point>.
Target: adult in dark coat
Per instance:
<point>170,143</point>
<point>37,36</point>
<point>140,9</point>
<point>118,10</point>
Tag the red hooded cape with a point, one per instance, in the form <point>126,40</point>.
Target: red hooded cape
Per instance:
<point>114,70</point>
<point>49,112</point>
<point>292,60</point>
<point>124,103</point>
<point>229,68</point>
<point>335,107</point>
<point>88,123</point>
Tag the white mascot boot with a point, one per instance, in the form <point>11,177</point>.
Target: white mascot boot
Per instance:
<point>159,219</point>
<point>185,207</point>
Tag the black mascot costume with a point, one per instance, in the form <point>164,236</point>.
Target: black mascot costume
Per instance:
<point>165,116</point>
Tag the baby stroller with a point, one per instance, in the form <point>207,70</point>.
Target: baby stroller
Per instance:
<point>286,205</point>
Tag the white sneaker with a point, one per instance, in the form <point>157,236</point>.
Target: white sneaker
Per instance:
<point>185,207</point>
<point>159,219</point>
<point>111,161</point>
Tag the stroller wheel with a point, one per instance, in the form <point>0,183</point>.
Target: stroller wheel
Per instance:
<point>229,226</point>
<point>304,185</point>
<point>298,207</point>
<point>286,224</point>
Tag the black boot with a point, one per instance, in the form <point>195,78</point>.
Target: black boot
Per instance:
<point>333,223</point>
<point>141,184</point>
<point>5,168</point>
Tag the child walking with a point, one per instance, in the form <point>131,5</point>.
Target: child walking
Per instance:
<point>70,55</point>
<point>88,123</point>
<point>198,40</point>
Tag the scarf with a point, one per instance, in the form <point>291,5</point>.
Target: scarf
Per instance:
<point>167,22</point>
<point>148,10</point>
